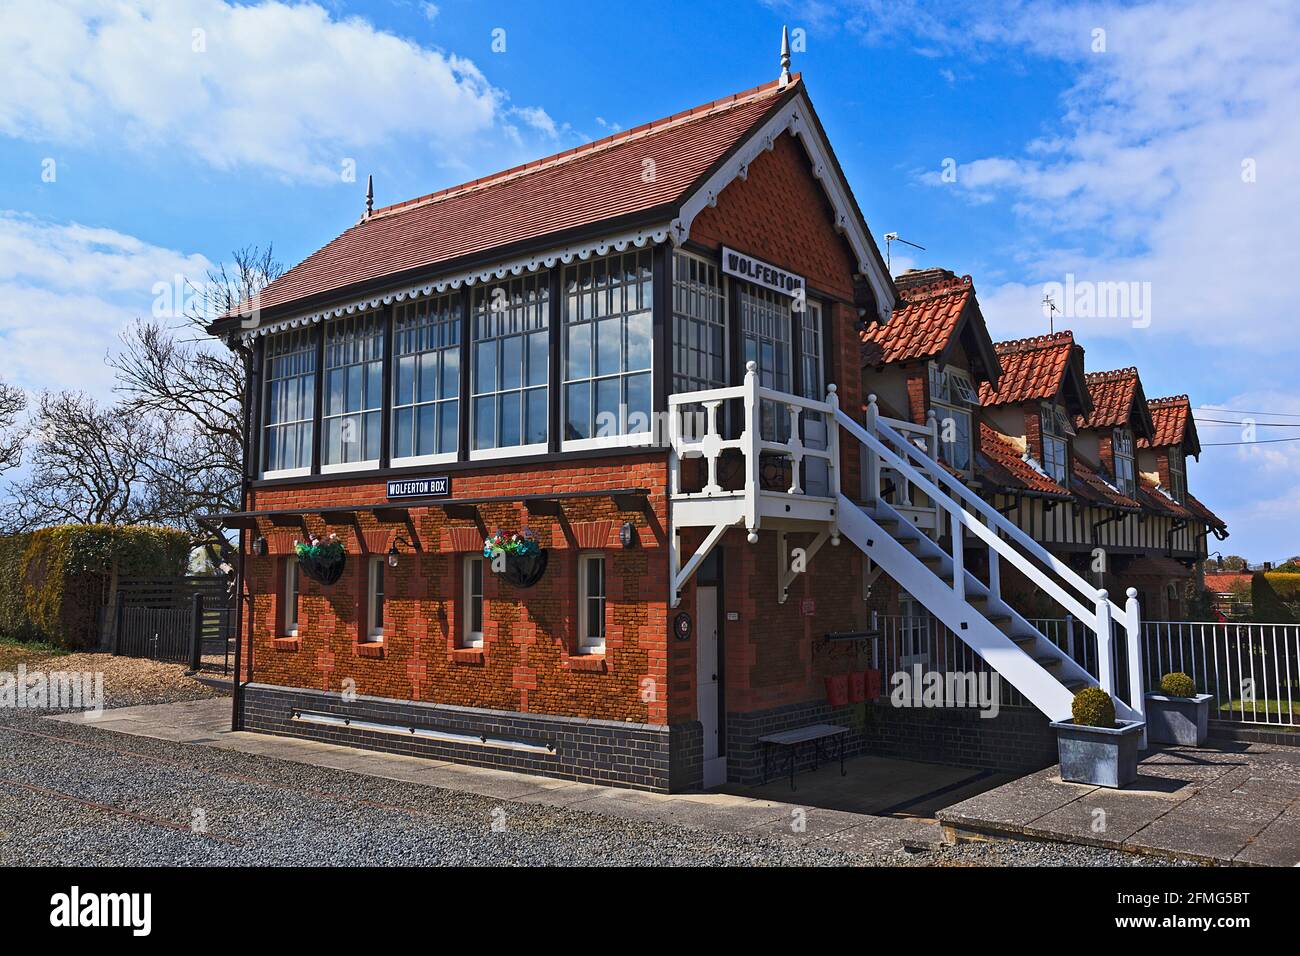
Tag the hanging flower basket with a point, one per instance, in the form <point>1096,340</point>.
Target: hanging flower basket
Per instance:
<point>322,561</point>
<point>525,559</point>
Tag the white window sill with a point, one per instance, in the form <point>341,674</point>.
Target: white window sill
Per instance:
<point>414,460</point>
<point>285,473</point>
<point>349,466</point>
<point>513,451</point>
<point>638,440</point>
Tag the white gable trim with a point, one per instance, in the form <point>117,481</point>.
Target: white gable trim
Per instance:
<point>563,255</point>
<point>793,118</point>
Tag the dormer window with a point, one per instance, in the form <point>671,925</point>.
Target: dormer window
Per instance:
<point>1177,474</point>
<point>952,393</point>
<point>1057,432</point>
<point>1122,450</point>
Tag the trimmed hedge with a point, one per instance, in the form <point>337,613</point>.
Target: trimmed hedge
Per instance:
<point>1275,597</point>
<point>54,582</point>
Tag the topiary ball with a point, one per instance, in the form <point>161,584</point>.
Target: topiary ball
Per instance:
<point>1093,707</point>
<point>1177,684</point>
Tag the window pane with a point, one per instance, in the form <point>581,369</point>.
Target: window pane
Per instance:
<point>638,341</point>
<point>485,422</point>
<point>608,346</point>
<point>449,413</point>
<point>607,402</point>
<point>403,429</point>
<point>510,423</point>
<point>577,403</point>
<point>485,367</point>
<point>537,419</point>
<point>428,434</point>
<point>405,392</point>
<point>538,358</point>
<point>428,376</point>
<point>450,373</point>
<point>579,352</point>
<point>512,362</point>
<point>638,403</point>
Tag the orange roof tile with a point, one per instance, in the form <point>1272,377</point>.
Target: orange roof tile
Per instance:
<point>923,323</point>
<point>1003,464</point>
<point>1031,369</point>
<point>580,187</point>
<point>1205,514</point>
<point>1112,397</point>
<point>1152,497</point>
<point>1092,487</point>
<point>1172,418</point>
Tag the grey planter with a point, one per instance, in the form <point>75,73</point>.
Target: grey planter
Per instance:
<point>1101,756</point>
<point>1178,720</point>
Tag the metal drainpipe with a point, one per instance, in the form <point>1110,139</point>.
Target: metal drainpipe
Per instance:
<point>237,691</point>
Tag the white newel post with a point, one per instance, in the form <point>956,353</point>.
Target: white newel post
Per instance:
<point>1136,678</point>
<point>871,461</point>
<point>833,450</point>
<point>1105,669</point>
<point>752,440</point>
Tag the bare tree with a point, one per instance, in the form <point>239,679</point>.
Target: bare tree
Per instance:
<point>12,404</point>
<point>88,465</point>
<point>173,371</point>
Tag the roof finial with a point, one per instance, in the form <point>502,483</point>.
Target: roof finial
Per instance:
<point>785,58</point>
<point>370,195</point>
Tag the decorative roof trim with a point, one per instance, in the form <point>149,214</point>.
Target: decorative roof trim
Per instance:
<point>564,255</point>
<point>793,119</point>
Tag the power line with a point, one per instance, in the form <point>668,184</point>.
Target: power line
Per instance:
<point>1261,441</point>
<point>1225,421</point>
<point>1238,411</point>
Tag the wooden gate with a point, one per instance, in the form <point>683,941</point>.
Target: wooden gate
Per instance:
<point>168,619</point>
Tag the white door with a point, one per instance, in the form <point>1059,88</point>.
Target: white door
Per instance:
<point>708,687</point>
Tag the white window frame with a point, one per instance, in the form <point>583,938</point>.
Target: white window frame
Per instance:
<point>353,326</point>
<point>421,320</point>
<point>1122,451</point>
<point>760,308</point>
<point>307,355</point>
<point>376,610</point>
<point>470,638</point>
<point>292,585</point>
<point>586,644</point>
<point>623,438</point>
<point>699,304</point>
<point>1055,429</point>
<point>515,317</point>
<point>1177,474</point>
<point>952,391</point>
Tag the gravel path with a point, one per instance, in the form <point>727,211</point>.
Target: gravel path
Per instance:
<point>77,795</point>
<point>128,681</point>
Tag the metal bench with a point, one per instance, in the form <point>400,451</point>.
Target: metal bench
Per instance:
<point>790,740</point>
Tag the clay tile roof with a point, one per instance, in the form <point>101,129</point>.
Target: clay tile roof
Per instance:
<point>1112,398</point>
<point>1151,497</point>
<point>1001,462</point>
<point>1170,416</point>
<point>577,188</point>
<point>1222,581</point>
<point>927,315</point>
<point>1205,514</point>
<point>1089,485</point>
<point>1031,368</point>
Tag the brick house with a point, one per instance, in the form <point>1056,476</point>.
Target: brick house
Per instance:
<point>646,353</point>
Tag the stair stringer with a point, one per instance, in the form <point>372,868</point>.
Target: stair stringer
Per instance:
<point>983,637</point>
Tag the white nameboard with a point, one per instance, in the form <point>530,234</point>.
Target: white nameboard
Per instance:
<point>761,273</point>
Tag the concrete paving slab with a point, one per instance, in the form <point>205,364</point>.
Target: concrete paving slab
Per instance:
<point>1276,844</point>
<point>1017,803</point>
<point>1102,817</point>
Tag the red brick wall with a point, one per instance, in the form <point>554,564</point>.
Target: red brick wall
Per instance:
<point>526,663</point>
<point>1106,449</point>
<point>1034,430</point>
<point>918,394</point>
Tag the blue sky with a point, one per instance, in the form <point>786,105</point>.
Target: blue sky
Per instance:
<point>143,140</point>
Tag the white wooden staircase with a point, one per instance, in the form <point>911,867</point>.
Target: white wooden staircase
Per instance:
<point>895,539</point>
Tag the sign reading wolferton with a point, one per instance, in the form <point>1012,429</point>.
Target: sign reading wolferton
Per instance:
<point>434,487</point>
<point>761,273</point>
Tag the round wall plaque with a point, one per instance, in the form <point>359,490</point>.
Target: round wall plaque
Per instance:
<point>682,626</point>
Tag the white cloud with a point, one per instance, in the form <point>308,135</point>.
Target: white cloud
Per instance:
<point>1144,182</point>
<point>292,89</point>
<point>67,290</point>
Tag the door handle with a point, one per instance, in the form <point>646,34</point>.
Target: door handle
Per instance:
<point>715,678</point>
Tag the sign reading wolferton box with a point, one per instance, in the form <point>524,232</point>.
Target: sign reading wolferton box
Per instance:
<point>761,273</point>
<point>433,487</point>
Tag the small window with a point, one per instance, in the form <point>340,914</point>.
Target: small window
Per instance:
<point>472,631</point>
<point>1177,474</point>
<point>952,393</point>
<point>291,591</point>
<point>375,601</point>
<point>1122,449</point>
<point>591,604</point>
<point>1056,429</point>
